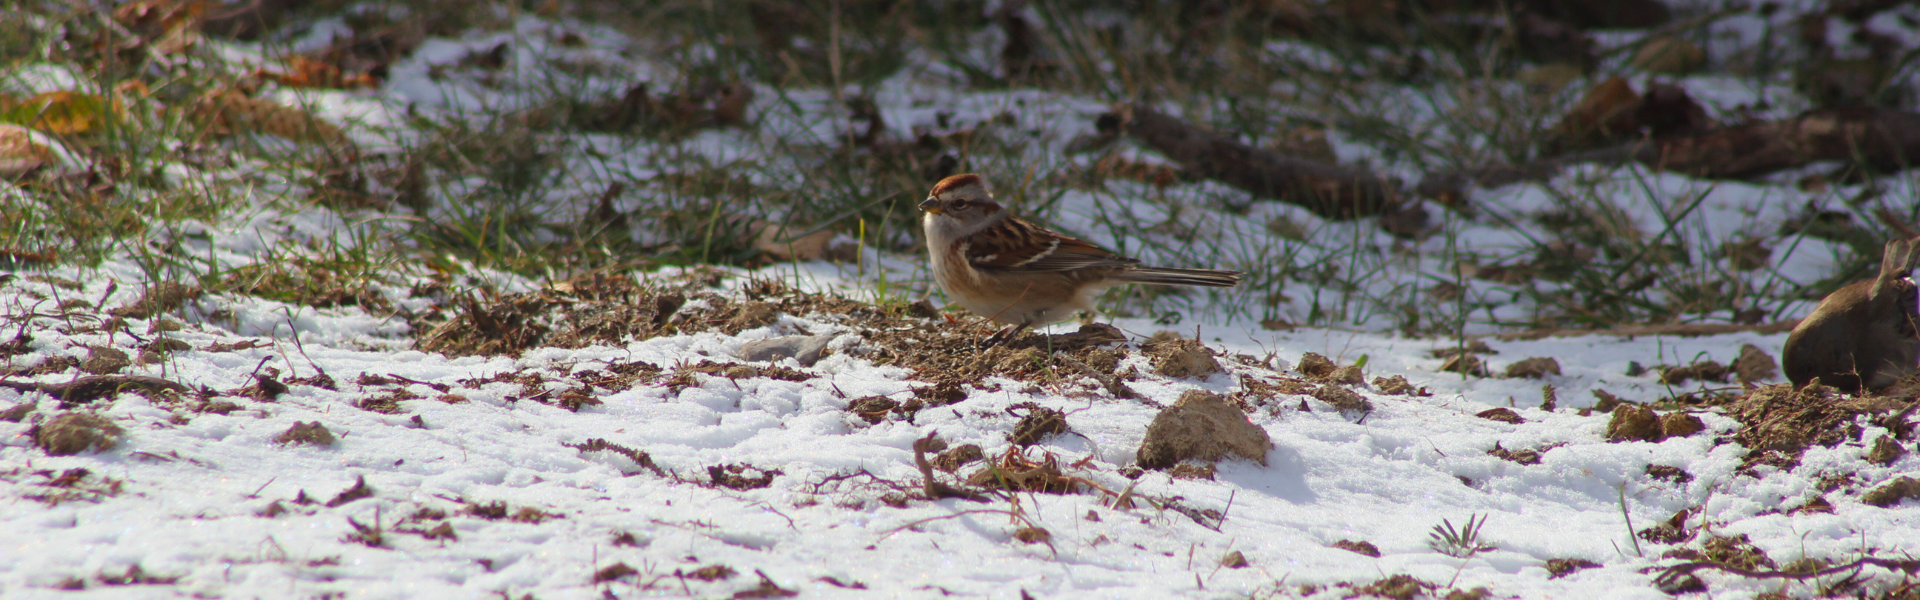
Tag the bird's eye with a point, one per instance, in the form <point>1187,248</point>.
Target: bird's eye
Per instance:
<point>960,204</point>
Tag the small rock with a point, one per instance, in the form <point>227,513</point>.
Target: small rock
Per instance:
<point>1893,492</point>
<point>1534,368</point>
<point>72,433</point>
<point>803,348</point>
<point>1755,365</point>
<point>1201,426</point>
<point>1234,560</point>
<point>1344,399</point>
<point>1679,424</point>
<point>102,360</point>
<point>1631,423</point>
<point>306,433</point>
<point>1502,414</point>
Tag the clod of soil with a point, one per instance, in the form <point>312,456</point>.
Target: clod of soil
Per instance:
<point>1032,535</point>
<point>1525,457</point>
<point>1192,471</point>
<point>359,490</point>
<point>311,433</point>
<point>1633,423</point>
<point>751,315</point>
<point>17,412</point>
<point>954,458</point>
<point>1038,423</point>
<point>1667,473</point>
<point>1706,370</point>
<point>735,477</point>
<point>1755,365</point>
<point>1885,450</point>
<point>72,433</point>
<point>1343,399</point>
<point>1201,426</point>
<point>1366,548</point>
<point>1893,492</point>
<point>1183,359</point>
<point>165,296</point>
<point>1501,414</point>
<point>873,409</point>
<point>1015,472</point>
<point>1314,365</point>
<point>1562,567</point>
<point>1778,422</point>
<point>1534,368</point>
<point>1465,363</point>
<point>1397,386</point>
<point>1679,424</point>
<point>1397,587</point>
<point>803,348</point>
<point>102,360</point>
<point>1234,560</point>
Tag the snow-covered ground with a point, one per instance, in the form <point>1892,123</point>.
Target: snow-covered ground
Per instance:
<point>191,496</point>
<point>474,487</point>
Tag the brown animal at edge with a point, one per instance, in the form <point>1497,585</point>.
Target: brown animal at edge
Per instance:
<point>1862,336</point>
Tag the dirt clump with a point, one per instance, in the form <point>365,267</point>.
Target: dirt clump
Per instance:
<point>1523,456</point>
<point>1398,386</point>
<point>953,458</point>
<point>161,297</point>
<point>1893,492</point>
<point>1037,424</point>
<point>580,312</point>
<point>1181,358</point>
<point>1501,414</point>
<point>102,360</point>
<point>1705,370</point>
<point>1679,424</point>
<point>1362,548</point>
<point>1755,365</point>
<point>1562,567</point>
<point>72,433</point>
<point>1885,450</point>
<point>1778,422</point>
<point>737,477</point>
<point>1201,426</point>
<point>1343,399</point>
<point>1016,472</point>
<point>309,433</point>
<point>1534,368</point>
<point>1667,473</point>
<point>1634,423</point>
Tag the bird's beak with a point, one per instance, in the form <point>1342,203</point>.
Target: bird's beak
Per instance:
<point>930,205</point>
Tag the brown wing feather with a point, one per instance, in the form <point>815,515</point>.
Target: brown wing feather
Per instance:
<point>1016,244</point>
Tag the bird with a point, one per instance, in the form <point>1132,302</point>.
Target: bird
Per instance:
<point>1862,336</point>
<point>1022,275</point>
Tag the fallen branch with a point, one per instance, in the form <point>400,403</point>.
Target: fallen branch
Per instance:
<point>1330,191</point>
<point>1677,329</point>
<point>933,488</point>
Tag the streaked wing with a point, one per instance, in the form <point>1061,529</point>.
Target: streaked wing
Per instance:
<point>1017,244</point>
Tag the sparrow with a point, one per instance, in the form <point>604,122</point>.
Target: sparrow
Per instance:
<point>1865,336</point>
<point>1019,274</point>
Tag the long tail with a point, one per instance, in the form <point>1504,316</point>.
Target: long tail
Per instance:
<point>1165,276</point>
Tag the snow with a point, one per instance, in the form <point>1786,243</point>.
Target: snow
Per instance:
<point>196,486</point>
<point>193,496</point>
